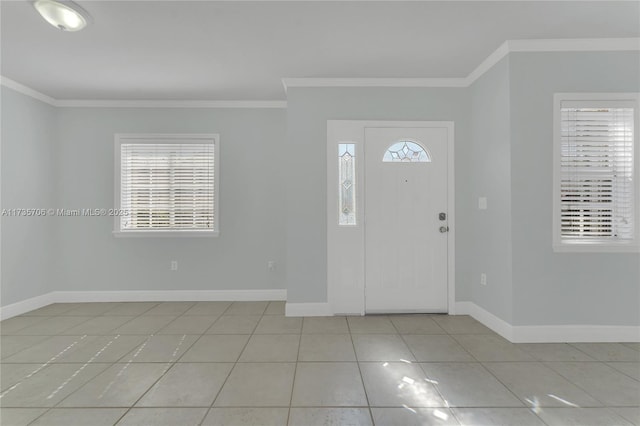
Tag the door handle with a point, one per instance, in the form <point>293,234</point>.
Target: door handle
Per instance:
<point>444,229</point>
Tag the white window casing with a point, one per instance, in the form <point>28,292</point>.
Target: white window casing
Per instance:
<point>166,185</point>
<point>596,190</point>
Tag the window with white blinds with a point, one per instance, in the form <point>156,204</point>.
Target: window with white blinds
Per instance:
<point>167,184</point>
<point>596,182</point>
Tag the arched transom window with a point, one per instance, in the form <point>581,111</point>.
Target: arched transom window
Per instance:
<point>406,152</point>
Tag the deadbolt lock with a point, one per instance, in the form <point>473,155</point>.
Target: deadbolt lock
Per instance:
<point>442,216</point>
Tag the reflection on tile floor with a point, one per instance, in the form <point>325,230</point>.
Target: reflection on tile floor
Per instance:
<point>245,363</point>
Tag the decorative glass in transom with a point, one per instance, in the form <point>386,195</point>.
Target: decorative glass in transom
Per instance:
<point>406,152</point>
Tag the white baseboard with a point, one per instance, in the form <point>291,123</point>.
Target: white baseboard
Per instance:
<point>549,333</point>
<point>308,310</point>
<point>27,305</point>
<point>576,333</point>
<point>515,334</point>
<point>496,324</point>
<point>169,296</point>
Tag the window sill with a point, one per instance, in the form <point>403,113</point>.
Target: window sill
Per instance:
<point>593,247</point>
<point>166,234</point>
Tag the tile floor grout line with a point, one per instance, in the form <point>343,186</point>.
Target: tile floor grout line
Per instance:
<point>524,403</point>
<point>163,374</point>
<point>609,409</point>
<point>81,385</point>
<point>629,345</point>
<point>108,331</point>
<point>317,406</point>
<point>138,347</point>
<point>295,371</point>
<point>604,404</point>
<point>41,319</point>
<point>42,367</point>
<point>57,333</point>
<point>46,337</point>
<point>126,411</point>
<point>453,336</point>
<point>134,316</point>
<point>622,372</point>
<point>111,364</point>
<point>364,388</point>
<point>437,389</point>
<point>215,321</point>
<point>41,415</point>
<point>573,345</point>
<point>538,417</point>
<point>229,373</point>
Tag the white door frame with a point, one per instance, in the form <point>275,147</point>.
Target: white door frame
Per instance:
<point>346,243</point>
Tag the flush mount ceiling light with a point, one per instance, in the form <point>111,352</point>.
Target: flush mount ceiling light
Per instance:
<point>64,15</point>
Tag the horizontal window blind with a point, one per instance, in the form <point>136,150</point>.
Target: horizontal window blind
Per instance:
<point>596,170</point>
<point>167,186</point>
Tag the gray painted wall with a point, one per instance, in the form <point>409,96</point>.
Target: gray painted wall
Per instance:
<point>307,113</point>
<point>490,170</point>
<point>562,288</point>
<point>251,203</point>
<point>28,143</point>
<point>273,194</point>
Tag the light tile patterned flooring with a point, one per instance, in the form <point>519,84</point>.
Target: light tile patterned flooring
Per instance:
<point>245,363</point>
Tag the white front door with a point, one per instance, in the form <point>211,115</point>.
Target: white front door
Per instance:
<point>405,195</point>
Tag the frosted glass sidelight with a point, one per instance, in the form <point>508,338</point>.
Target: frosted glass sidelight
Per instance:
<point>347,184</point>
<point>406,152</point>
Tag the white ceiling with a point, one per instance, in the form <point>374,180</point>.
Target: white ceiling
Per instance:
<point>237,50</point>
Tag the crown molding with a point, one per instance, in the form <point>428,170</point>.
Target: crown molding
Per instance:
<point>25,90</point>
<point>489,62</point>
<point>89,103</point>
<point>509,46</point>
<point>574,45</point>
<point>75,103</point>
<point>373,82</point>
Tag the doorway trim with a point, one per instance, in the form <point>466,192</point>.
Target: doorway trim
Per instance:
<point>346,243</point>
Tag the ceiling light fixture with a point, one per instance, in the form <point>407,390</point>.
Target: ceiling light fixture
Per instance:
<point>64,15</point>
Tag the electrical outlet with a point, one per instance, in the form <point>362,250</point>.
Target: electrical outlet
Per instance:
<point>483,278</point>
<point>174,265</point>
<point>271,265</point>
